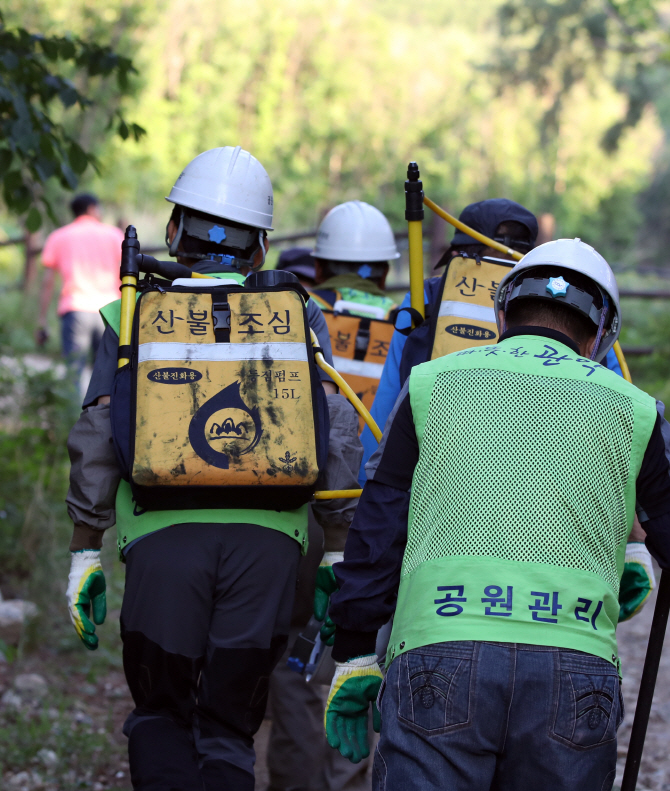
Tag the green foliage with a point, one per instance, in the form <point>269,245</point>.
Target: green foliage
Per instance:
<point>556,46</point>
<point>34,147</point>
<point>81,753</point>
<point>38,405</point>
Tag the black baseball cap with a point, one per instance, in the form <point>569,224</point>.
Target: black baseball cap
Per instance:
<point>298,260</point>
<point>485,216</point>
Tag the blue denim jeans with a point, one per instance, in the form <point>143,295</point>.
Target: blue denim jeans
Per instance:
<point>81,333</point>
<point>476,716</point>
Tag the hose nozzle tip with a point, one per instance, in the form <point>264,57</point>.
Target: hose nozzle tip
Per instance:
<point>413,172</point>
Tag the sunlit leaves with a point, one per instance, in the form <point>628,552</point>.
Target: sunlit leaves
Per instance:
<point>34,147</point>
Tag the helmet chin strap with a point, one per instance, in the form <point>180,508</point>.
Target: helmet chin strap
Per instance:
<point>174,244</point>
<point>599,335</point>
<point>261,247</point>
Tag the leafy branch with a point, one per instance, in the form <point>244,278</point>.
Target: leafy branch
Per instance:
<point>34,146</point>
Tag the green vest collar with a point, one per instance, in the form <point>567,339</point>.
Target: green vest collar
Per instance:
<point>542,332</point>
<point>351,280</point>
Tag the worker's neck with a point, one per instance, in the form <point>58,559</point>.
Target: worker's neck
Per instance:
<point>542,331</point>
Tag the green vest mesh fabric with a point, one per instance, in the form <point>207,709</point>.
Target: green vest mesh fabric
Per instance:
<point>524,493</point>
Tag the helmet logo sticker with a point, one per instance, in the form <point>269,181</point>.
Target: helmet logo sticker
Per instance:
<point>217,234</point>
<point>558,287</point>
<point>224,426</point>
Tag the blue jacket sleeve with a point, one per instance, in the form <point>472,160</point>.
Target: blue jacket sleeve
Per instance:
<point>388,389</point>
<point>612,363</point>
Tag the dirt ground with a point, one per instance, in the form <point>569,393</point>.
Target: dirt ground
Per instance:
<point>98,705</point>
<point>632,638</point>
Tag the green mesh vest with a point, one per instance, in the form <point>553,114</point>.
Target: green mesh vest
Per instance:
<point>522,499</point>
<point>133,522</point>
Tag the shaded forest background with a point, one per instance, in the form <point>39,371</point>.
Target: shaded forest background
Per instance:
<point>561,106</point>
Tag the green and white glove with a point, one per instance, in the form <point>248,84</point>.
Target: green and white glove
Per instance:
<point>326,584</point>
<point>86,595</point>
<point>637,581</point>
<point>355,685</point>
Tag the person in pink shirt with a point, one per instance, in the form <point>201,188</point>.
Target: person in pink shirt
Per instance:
<point>87,255</point>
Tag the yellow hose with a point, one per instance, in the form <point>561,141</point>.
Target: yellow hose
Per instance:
<point>416,266</point>
<point>353,398</point>
<point>622,362</point>
<point>469,231</point>
<point>336,494</point>
<point>128,296</point>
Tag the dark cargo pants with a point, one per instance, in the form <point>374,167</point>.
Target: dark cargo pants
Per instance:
<point>205,618</point>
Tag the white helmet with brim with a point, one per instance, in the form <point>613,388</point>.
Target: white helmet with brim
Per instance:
<point>566,255</point>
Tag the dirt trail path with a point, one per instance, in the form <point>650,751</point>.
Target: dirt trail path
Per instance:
<point>633,636</point>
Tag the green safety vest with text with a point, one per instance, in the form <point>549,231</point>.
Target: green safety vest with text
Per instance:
<point>133,522</point>
<point>522,498</point>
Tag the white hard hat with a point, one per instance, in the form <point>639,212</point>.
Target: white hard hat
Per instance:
<point>574,255</point>
<point>355,231</point>
<point>228,183</point>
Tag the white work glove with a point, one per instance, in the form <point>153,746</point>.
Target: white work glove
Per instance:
<point>355,686</point>
<point>637,581</point>
<point>86,595</point>
<point>326,584</point>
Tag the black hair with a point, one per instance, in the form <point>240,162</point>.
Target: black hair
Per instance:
<point>558,315</point>
<point>511,231</point>
<point>190,244</point>
<point>80,204</point>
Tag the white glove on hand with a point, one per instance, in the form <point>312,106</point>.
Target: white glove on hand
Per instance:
<point>355,686</point>
<point>86,595</point>
<point>637,581</point>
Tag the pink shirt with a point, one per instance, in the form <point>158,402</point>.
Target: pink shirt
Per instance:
<point>87,255</point>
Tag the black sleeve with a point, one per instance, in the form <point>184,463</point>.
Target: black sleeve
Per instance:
<point>369,575</point>
<point>104,368</point>
<point>653,494</point>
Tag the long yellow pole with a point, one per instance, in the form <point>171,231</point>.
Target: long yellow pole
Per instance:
<point>414,216</point>
<point>416,266</point>
<point>128,298</point>
<point>336,494</point>
<point>622,362</point>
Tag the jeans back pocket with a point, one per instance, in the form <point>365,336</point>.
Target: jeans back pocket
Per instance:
<point>434,691</point>
<point>588,707</point>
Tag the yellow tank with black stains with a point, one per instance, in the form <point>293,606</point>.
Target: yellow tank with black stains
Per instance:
<point>225,395</point>
<point>466,316</point>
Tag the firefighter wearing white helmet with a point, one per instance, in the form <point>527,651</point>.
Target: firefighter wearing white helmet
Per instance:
<point>493,527</point>
<point>208,590</point>
<point>223,209</point>
<point>354,245</point>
